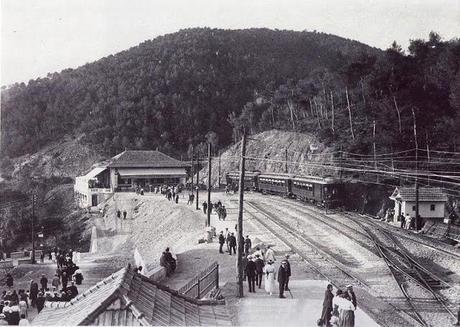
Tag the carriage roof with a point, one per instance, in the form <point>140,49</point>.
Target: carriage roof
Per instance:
<point>315,179</point>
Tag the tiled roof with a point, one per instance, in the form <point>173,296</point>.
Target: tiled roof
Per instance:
<point>425,194</point>
<point>138,158</point>
<point>141,302</point>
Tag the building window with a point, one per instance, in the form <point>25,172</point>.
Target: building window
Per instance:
<point>432,207</point>
<point>413,208</point>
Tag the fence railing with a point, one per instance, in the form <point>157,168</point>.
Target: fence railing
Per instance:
<point>202,283</point>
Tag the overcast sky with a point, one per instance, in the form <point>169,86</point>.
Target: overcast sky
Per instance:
<point>41,36</point>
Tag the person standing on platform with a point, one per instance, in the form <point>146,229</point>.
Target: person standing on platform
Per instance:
<point>118,214</point>
<point>282,278</point>
<point>288,267</point>
<point>177,198</point>
<point>327,306</point>
<point>251,274</point>
<point>269,271</point>
<point>221,241</point>
<point>408,221</point>
<point>247,245</point>
<point>403,220</point>
<point>335,308</point>
<point>205,207</point>
<point>259,270</point>
<point>270,255</point>
<point>347,312</point>
<point>232,243</point>
<point>227,238</point>
<point>124,214</point>
<point>351,295</point>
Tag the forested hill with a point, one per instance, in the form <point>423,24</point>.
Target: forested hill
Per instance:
<point>168,92</point>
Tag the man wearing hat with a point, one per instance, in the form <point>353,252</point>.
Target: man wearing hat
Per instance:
<point>259,263</point>
<point>282,278</point>
<point>288,268</point>
<point>251,274</point>
<point>221,241</point>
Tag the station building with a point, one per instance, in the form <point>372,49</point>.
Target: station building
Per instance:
<point>432,202</point>
<point>125,172</point>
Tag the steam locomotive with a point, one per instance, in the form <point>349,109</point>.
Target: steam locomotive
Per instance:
<point>324,191</point>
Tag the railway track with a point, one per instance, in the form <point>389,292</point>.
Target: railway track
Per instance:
<point>318,215</point>
<point>307,249</point>
<point>416,283</point>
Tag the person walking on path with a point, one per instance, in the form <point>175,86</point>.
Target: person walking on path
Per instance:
<point>327,306</point>
<point>124,214</point>
<point>282,278</point>
<point>251,274</point>
<point>232,243</point>
<point>270,254</point>
<point>269,271</point>
<point>351,295</point>
<point>288,268</point>
<point>177,198</point>
<point>247,245</point>
<point>259,270</point>
<point>118,214</point>
<point>33,291</point>
<point>205,207</point>
<point>221,241</point>
<point>56,282</point>
<point>40,302</point>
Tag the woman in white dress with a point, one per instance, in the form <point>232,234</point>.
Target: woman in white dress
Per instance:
<point>269,271</point>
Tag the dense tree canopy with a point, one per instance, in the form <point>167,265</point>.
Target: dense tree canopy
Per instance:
<point>393,90</point>
<point>179,89</point>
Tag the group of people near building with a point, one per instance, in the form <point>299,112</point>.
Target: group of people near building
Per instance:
<point>338,310</point>
<point>172,193</point>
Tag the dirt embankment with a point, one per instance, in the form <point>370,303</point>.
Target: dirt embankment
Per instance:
<point>152,224</point>
<point>270,150</point>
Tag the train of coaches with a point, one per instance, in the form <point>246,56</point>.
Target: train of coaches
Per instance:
<point>324,191</point>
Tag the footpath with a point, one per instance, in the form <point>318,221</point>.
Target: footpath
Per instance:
<point>301,307</point>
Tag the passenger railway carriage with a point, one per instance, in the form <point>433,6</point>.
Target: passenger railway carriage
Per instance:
<point>275,184</point>
<point>324,191</point>
<point>250,180</point>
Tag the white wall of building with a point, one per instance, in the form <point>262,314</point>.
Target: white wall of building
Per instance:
<point>424,209</point>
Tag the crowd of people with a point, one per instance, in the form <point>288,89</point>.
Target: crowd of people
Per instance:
<point>218,207</point>
<point>338,310</point>
<point>14,304</point>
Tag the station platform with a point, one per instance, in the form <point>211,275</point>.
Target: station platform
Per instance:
<point>258,309</point>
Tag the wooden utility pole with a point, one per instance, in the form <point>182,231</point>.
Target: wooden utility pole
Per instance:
<point>220,155</point>
<point>208,221</point>
<point>428,157</point>
<point>191,171</point>
<point>349,115</point>
<point>399,114</point>
<point>416,172</point>
<point>286,160</point>
<point>197,179</point>
<point>34,199</point>
<point>333,116</point>
<point>239,262</point>
<point>375,154</point>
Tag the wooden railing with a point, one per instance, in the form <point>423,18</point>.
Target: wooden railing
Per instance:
<point>202,283</point>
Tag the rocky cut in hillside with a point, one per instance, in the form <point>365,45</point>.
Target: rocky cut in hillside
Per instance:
<point>165,93</point>
<point>274,151</point>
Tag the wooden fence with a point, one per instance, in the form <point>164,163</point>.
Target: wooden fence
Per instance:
<point>202,283</point>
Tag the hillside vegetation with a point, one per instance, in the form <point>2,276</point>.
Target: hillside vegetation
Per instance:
<point>168,92</point>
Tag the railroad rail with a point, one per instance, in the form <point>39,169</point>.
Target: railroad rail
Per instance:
<point>313,254</point>
<point>410,271</point>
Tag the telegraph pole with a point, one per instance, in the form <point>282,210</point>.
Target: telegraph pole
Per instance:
<point>286,160</point>
<point>416,172</point>
<point>34,199</point>
<point>191,171</point>
<point>197,179</point>
<point>239,261</point>
<point>208,221</point>
<point>219,170</point>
